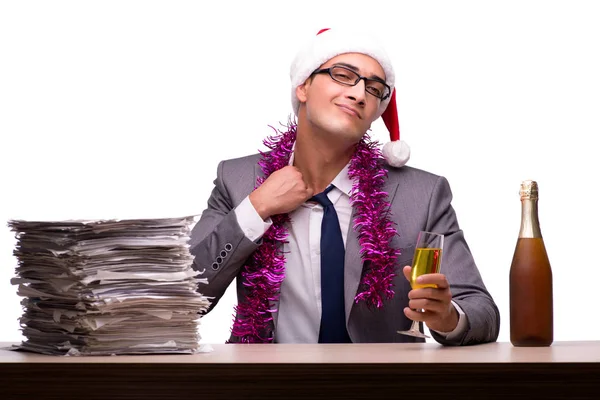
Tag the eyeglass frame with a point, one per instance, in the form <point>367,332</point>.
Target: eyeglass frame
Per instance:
<point>360,78</point>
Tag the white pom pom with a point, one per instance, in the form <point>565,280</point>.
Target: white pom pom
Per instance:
<point>396,153</point>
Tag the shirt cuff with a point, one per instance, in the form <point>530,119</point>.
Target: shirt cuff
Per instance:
<point>251,223</point>
<point>461,327</point>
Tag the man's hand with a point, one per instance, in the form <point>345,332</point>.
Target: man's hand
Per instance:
<point>439,313</point>
<point>282,192</point>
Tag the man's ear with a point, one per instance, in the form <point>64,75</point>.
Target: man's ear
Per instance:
<point>301,91</point>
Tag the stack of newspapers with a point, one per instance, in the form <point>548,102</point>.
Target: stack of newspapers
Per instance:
<point>108,287</point>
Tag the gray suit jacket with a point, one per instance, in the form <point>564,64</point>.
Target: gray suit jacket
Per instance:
<point>419,201</point>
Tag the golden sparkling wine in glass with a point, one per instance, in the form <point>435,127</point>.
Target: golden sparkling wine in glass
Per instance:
<point>425,261</point>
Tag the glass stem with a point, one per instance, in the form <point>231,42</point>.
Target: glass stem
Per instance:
<point>415,327</point>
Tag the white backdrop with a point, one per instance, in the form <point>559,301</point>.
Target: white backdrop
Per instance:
<point>120,109</point>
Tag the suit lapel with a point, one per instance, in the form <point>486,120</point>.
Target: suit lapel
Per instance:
<point>353,265</point>
<point>257,173</point>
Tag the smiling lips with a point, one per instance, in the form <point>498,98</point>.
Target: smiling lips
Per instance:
<point>349,110</point>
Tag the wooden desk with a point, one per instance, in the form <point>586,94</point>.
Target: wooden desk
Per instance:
<point>361,371</point>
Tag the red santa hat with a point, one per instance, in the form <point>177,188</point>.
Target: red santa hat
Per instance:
<point>329,43</point>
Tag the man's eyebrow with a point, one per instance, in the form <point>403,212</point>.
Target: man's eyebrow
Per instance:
<point>357,70</point>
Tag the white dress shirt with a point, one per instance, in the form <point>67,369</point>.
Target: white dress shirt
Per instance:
<point>299,310</point>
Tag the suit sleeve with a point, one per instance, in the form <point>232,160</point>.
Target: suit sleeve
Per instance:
<point>218,243</point>
<point>466,285</point>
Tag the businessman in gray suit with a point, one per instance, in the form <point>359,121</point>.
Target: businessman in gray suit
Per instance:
<point>341,83</point>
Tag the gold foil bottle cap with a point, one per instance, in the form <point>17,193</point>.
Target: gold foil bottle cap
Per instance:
<point>529,190</point>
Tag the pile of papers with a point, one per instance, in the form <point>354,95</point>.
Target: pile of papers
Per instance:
<point>108,287</point>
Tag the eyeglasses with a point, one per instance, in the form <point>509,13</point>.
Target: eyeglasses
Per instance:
<point>346,76</point>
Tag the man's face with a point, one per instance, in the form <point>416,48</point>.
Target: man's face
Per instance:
<point>337,109</point>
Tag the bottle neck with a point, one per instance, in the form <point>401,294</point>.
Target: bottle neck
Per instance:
<point>530,225</point>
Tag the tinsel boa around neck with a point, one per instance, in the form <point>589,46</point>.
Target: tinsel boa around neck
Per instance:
<point>265,269</point>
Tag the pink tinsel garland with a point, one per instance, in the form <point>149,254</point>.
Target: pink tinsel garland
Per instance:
<point>265,270</point>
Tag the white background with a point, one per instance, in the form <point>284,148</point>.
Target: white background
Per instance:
<point>119,109</point>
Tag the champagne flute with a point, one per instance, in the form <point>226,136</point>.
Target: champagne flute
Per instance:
<point>426,260</point>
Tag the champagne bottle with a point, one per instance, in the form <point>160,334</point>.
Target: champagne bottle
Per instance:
<point>531,314</point>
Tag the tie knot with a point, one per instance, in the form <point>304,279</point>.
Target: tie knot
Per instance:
<point>322,198</point>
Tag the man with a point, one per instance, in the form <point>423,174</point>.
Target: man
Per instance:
<point>318,229</point>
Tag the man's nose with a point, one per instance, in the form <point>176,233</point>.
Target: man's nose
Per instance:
<point>358,92</point>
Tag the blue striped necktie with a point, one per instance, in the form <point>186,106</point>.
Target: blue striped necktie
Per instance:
<point>333,316</point>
